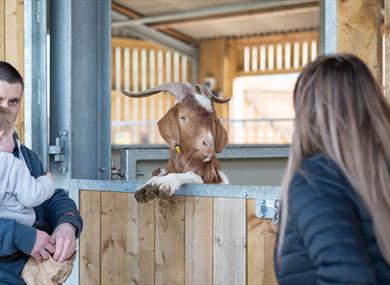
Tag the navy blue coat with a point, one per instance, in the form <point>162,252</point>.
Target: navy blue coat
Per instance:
<point>13,236</point>
<point>329,233</point>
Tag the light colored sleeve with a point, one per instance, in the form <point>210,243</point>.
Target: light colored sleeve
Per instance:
<point>29,192</point>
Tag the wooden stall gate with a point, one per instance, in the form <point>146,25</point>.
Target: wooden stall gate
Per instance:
<point>198,239</point>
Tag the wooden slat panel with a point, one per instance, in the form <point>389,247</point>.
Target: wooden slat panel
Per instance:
<point>169,262</point>
<point>140,242</point>
<point>229,262</point>
<point>198,240</point>
<point>90,251</point>
<point>261,241</point>
<point>114,238</point>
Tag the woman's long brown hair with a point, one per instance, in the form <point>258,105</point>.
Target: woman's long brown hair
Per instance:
<point>340,111</point>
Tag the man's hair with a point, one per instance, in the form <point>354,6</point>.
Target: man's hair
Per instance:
<point>9,74</point>
<point>7,120</point>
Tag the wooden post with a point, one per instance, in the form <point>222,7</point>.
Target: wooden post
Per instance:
<point>358,32</point>
<point>12,43</point>
<point>387,49</point>
<point>211,63</point>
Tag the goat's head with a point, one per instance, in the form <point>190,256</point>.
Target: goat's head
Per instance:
<point>192,124</point>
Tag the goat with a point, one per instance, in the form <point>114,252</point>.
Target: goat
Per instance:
<point>194,134</point>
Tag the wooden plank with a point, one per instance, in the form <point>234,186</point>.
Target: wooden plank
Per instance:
<point>198,240</point>
<point>90,251</point>
<point>133,43</point>
<point>358,32</point>
<point>261,235</point>
<point>169,256</point>
<point>2,29</point>
<point>229,243</point>
<point>114,221</point>
<point>275,38</point>
<point>140,241</point>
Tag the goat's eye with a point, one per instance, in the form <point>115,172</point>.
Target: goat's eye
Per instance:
<point>183,118</point>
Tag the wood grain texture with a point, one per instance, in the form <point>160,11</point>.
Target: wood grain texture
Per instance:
<point>90,238</point>
<point>198,240</point>
<point>114,220</point>
<point>229,242</point>
<point>169,256</point>
<point>387,49</point>
<point>140,242</point>
<point>2,29</point>
<point>261,236</point>
<point>358,32</point>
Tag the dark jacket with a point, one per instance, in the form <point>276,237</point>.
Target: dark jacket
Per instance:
<point>329,233</point>
<point>13,236</point>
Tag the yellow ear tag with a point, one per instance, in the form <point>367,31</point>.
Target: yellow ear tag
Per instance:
<point>178,151</point>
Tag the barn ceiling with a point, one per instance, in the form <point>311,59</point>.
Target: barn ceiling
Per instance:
<point>195,20</point>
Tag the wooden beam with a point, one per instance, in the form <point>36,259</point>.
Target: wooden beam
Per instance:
<point>125,11</point>
<point>248,15</point>
<point>135,15</point>
<point>358,32</point>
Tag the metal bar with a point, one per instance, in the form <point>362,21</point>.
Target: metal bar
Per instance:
<point>35,79</point>
<point>151,34</point>
<point>154,122</point>
<point>204,190</point>
<point>211,11</point>
<point>328,26</point>
<point>81,89</point>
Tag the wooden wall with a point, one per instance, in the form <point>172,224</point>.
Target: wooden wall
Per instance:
<point>12,42</point>
<point>196,240</point>
<point>359,31</point>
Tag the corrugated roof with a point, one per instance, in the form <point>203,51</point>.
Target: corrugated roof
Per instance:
<point>249,23</point>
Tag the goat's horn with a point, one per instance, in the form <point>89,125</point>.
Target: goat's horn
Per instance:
<point>179,90</point>
<point>211,95</point>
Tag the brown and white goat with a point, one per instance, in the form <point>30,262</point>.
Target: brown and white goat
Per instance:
<point>194,134</point>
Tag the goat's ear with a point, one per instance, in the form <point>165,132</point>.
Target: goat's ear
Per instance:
<point>221,137</point>
<point>169,127</point>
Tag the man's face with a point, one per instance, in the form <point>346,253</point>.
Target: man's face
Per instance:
<point>11,96</point>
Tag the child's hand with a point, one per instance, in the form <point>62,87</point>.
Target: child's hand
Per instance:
<point>51,176</point>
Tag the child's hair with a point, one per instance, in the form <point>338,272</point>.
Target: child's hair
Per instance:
<point>9,74</point>
<point>7,120</point>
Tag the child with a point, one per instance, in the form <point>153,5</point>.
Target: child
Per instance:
<point>19,191</point>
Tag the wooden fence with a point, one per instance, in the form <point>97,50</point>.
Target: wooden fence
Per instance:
<point>197,240</point>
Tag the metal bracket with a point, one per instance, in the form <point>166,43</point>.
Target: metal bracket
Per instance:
<point>268,209</point>
<point>59,150</point>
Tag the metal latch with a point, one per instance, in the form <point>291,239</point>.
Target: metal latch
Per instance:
<point>59,150</point>
<point>116,173</point>
<point>268,209</point>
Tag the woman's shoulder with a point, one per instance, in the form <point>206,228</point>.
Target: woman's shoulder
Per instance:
<point>319,175</point>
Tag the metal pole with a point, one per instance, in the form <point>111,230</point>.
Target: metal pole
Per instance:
<point>328,32</point>
<point>81,87</point>
<point>35,79</point>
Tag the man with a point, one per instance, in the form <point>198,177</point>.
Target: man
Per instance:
<point>58,222</point>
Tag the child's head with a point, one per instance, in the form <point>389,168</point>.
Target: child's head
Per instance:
<point>7,129</point>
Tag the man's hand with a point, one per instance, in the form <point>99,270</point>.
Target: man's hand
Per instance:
<point>43,246</point>
<point>65,242</point>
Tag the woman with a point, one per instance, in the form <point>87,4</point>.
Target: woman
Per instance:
<point>335,226</point>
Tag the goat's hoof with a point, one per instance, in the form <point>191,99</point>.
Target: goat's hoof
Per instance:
<point>145,194</point>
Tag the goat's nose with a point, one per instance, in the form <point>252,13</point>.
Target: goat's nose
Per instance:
<point>207,143</point>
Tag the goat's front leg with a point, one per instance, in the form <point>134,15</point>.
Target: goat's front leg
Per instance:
<point>170,183</point>
<point>161,186</point>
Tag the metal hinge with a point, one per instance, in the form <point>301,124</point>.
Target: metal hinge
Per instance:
<point>268,209</point>
<point>58,150</point>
